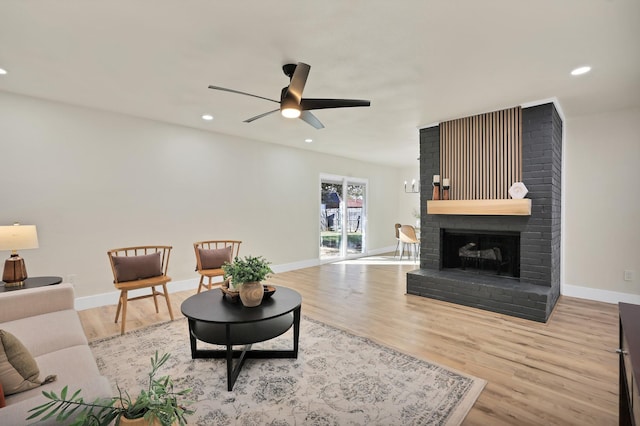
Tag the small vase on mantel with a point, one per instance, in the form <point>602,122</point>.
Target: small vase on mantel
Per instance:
<point>436,187</point>
<point>251,294</point>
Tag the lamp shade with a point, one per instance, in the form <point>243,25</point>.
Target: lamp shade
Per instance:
<point>18,237</point>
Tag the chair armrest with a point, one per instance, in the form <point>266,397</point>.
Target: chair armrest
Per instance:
<point>29,302</point>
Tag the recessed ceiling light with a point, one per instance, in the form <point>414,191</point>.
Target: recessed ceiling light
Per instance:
<point>581,70</point>
<point>308,140</point>
<point>207,117</point>
<point>3,71</point>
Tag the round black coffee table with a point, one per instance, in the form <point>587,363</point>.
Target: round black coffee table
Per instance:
<point>214,319</point>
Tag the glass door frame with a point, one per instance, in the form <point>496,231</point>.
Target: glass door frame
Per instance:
<point>345,181</point>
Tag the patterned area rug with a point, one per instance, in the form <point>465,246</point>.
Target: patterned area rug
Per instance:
<point>337,379</point>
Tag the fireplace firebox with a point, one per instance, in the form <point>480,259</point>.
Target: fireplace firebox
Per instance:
<point>483,252</point>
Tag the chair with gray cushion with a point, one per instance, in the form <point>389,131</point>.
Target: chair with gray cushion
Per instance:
<point>211,255</point>
<point>137,268</point>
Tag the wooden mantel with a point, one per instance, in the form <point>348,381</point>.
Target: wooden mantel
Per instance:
<point>507,207</point>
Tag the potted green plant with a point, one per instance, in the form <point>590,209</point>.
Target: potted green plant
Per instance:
<point>159,404</point>
<point>246,275</point>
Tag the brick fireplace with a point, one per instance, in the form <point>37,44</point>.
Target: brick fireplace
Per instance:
<point>527,286</point>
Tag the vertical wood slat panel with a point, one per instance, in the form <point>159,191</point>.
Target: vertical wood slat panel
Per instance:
<point>451,154</point>
<point>499,135</point>
<point>482,155</point>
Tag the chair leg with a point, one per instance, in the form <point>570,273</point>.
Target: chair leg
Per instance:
<point>395,253</point>
<point>124,297</point>
<point>119,307</point>
<point>201,284</point>
<point>155,298</point>
<point>166,296</point>
<point>209,284</point>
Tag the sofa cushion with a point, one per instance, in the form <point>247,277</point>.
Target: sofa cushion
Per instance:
<point>42,334</point>
<point>28,302</point>
<point>18,369</point>
<point>72,365</point>
<point>214,258</point>
<point>131,268</point>
<point>76,367</point>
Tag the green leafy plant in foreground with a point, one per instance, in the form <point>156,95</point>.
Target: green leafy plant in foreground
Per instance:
<point>159,401</point>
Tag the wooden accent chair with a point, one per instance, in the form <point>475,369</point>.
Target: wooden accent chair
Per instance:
<point>136,268</point>
<point>408,237</point>
<point>211,255</point>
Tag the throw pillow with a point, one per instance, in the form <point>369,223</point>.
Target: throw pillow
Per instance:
<point>214,258</point>
<point>18,370</point>
<point>131,268</point>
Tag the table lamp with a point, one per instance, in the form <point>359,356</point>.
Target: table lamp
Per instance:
<point>16,237</point>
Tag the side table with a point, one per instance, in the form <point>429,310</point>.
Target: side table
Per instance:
<point>32,282</point>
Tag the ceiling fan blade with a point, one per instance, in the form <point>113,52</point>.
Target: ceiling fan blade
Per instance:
<point>224,89</point>
<point>307,117</point>
<point>308,103</point>
<point>249,120</point>
<point>298,80</point>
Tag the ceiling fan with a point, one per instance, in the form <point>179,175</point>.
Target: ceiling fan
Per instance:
<point>292,104</point>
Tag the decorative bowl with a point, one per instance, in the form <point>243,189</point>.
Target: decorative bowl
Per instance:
<point>232,295</point>
<point>268,291</point>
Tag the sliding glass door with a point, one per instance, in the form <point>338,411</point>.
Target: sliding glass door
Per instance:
<point>342,217</point>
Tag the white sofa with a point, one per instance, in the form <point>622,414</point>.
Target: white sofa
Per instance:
<point>45,321</point>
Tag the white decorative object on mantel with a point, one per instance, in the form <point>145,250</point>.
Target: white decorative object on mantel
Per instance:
<point>518,191</point>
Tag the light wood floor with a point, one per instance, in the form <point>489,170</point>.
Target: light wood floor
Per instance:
<point>564,372</point>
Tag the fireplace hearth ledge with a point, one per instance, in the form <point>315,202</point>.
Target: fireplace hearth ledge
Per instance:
<point>493,293</point>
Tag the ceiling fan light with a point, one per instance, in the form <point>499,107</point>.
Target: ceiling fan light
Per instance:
<point>289,108</point>
<point>290,112</point>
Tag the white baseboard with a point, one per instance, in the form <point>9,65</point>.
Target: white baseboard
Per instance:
<point>599,295</point>
<point>295,265</point>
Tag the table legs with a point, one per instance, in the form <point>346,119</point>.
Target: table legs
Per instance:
<point>241,355</point>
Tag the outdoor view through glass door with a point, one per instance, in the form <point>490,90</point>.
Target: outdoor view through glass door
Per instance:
<point>342,217</point>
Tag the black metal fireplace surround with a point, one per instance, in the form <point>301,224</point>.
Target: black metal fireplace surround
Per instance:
<point>527,283</point>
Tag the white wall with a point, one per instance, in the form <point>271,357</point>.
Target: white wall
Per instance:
<point>408,204</point>
<point>602,206</point>
<point>93,180</point>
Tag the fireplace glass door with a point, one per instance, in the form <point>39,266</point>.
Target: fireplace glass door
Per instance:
<point>485,252</point>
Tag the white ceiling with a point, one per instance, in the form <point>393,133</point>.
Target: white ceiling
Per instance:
<point>418,61</point>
